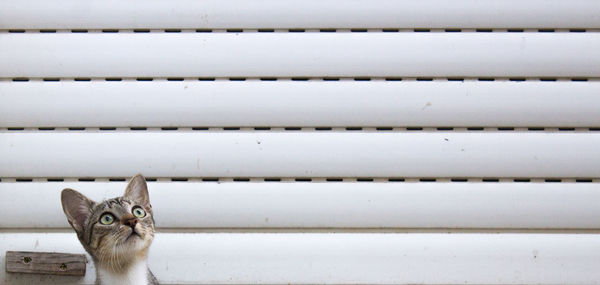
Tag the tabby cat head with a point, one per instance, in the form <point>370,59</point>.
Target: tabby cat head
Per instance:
<point>116,232</point>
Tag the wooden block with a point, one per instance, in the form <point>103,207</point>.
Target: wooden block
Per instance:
<point>45,263</point>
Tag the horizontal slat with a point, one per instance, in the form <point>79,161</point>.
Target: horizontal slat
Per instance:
<point>299,154</point>
<point>342,103</point>
<point>72,14</point>
<point>328,205</point>
<point>300,54</point>
<point>347,258</point>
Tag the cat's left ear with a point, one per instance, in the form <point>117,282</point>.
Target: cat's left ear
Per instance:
<point>137,190</point>
<point>77,208</point>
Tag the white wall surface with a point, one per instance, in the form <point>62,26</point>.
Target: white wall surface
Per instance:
<point>311,142</point>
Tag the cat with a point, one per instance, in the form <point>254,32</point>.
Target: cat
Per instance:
<point>117,233</point>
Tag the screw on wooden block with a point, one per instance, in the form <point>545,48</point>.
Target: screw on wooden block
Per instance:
<point>45,263</point>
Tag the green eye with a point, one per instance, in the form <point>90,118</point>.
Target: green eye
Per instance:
<point>139,212</point>
<point>107,219</point>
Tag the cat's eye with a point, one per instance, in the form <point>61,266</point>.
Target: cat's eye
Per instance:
<point>139,212</point>
<point>107,219</point>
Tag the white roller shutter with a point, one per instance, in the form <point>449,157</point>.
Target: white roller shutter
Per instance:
<point>311,142</point>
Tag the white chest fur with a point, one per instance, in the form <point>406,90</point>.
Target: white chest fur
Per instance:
<point>136,275</point>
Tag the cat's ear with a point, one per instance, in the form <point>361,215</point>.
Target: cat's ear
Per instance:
<point>77,208</point>
<point>137,190</point>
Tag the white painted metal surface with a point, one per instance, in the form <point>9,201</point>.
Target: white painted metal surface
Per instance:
<point>327,205</point>
<point>290,103</point>
<point>299,154</point>
<point>228,258</point>
<point>282,232</point>
<point>156,14</point>
<point>300,54</point>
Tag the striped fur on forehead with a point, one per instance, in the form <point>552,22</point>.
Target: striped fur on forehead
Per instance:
<point>122,201</point>
<point>116,202</point>
<point>119,203</point>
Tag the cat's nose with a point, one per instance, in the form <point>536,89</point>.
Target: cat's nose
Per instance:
<point>131,222</point>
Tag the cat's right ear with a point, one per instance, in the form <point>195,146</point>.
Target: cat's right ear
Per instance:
<point>77,208</point>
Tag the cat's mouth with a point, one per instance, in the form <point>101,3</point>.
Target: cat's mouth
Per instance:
<point>134,234</point>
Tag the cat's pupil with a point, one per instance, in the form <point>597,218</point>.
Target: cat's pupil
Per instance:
<point>138,212</point>
<point>107,219</point>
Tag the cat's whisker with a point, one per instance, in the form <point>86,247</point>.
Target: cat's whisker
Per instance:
<point>117,254</point>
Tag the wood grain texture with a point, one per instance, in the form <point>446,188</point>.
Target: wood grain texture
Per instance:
<point>45,263</point>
